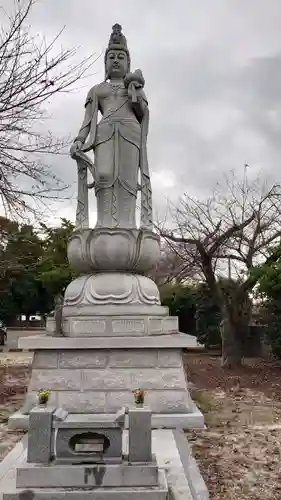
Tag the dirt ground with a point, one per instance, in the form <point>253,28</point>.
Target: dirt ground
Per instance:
<point>14,376</point>
<point>239,451</point>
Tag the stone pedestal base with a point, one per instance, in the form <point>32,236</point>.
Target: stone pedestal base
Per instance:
<point>100,380</point>
<point>112,303</point>
<point>99,375</point>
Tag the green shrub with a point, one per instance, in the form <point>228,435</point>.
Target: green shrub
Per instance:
<point>197,314</point>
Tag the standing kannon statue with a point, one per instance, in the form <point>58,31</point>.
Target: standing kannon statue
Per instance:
<point>119,143</point>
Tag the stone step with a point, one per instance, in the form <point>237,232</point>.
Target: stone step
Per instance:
<point>81,476</point>
<point>168,341</point>
<point>136,493</point>
<point>98,494</point>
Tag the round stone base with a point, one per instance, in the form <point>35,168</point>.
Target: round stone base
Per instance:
<point>111,293</point>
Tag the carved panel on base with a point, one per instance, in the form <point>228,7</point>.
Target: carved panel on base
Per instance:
<point>114,326</point>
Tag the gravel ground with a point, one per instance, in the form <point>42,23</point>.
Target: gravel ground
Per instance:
<point>15,371</point>
<point>239,451</point>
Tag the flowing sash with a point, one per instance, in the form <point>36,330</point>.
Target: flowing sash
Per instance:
<point>146,191</point>
<point>82,212</point>
<point>145,186</point>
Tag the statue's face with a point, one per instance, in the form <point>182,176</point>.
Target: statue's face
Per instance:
<point>116,63</point>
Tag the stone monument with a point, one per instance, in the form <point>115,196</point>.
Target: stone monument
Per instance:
<point>116,337</point>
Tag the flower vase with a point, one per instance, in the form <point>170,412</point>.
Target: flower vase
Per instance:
<point>139,397</point>
<point>43,401</point>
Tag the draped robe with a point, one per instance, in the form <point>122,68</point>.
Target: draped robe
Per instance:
<point>119,142</point>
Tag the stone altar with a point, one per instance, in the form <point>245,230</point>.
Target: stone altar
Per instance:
<point>115,335</point>
<point>70,457</point>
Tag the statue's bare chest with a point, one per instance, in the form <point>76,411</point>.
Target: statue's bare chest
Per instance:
<point>112,98</point>
<point>111,91</point>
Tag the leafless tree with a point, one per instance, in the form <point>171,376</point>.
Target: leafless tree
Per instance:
<point>171,266</point>
<point>223,238</point>
<point>32,71</point>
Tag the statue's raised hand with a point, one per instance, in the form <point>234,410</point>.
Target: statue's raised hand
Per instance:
<point>134,82</point>
<point>75,148</point>
<point>135,78</point>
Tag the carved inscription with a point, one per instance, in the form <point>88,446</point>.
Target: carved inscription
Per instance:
<point>95,473</point>
<point>128,325</point>
<point>89,326</point>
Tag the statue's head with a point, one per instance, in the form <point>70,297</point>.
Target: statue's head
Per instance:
<point>117,56</point>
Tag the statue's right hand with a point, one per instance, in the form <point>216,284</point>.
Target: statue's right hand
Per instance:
<point>75,148</point>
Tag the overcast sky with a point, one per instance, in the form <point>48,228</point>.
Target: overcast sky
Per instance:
<point>213,82</point>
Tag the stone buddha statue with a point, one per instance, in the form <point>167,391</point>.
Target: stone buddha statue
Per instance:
<point>118,140</point>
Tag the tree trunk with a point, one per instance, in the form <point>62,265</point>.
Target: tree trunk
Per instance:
<point>236,312</point>
<point>232,345</point>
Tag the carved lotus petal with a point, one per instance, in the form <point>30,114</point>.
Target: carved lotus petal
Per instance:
<point>112,288</point>
<point>102,249</point>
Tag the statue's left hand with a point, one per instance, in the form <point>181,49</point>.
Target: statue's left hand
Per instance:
<point>135,78</point>
<point>133,90</point>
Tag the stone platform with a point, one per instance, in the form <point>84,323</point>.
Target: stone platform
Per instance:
<point>99,375</point>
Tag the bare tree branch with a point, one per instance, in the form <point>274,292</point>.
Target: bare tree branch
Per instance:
<point>31,73</point>
<point>230,232</point>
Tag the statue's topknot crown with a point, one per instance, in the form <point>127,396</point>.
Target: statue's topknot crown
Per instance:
<point>117,39</point>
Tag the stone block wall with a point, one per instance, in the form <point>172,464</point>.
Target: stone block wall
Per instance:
<point>101,381</point>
